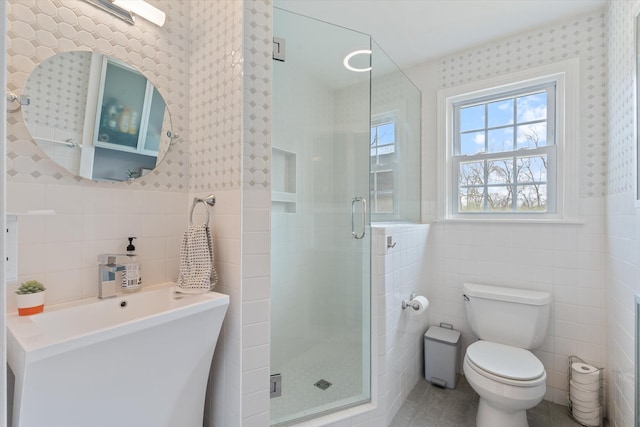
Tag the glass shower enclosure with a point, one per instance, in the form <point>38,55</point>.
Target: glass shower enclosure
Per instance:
<point>320,250</point>
<point>345,150</point>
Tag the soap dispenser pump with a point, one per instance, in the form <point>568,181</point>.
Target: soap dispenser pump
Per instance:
<point>131,249</point>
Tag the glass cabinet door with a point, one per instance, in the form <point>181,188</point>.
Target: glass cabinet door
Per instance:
<point>153,133</point>
<point>132,112</point>
<point>123,101</point>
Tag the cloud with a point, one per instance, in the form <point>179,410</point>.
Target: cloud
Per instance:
<point>532,107</point>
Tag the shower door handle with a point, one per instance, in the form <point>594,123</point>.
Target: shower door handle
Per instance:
<point>363,203</point>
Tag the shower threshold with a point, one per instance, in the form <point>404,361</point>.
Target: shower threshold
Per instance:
<point>318,412</point>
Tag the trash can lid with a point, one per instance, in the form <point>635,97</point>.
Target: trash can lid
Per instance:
<point>443,335</point>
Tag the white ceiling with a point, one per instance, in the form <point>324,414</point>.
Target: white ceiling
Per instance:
<point>415,31</point>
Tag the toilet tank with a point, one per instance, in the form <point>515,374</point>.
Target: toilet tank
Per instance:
<point>515,317</point>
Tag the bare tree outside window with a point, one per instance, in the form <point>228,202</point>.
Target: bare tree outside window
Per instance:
<point>502,154</point>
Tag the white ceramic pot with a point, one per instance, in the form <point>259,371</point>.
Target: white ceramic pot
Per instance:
<point>30,303</point>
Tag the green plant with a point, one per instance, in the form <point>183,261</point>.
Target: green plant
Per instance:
<point>30,287</point>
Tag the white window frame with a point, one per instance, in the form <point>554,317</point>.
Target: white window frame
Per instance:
<point>565,76</point>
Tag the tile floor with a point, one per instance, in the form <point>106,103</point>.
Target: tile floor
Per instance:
<point>431,406</point>
<point>337,360</point>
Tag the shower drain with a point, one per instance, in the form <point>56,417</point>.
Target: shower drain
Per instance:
<point>323,384</point>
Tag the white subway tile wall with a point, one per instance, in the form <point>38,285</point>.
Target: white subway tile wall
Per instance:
<point>62,249</point>
<point>397,272</point>
<point>564,259</point>
<point>622,220</point>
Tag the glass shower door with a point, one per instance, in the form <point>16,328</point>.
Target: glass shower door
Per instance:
<point>320,250</point>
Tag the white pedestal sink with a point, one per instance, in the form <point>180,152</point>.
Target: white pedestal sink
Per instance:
<point>136,360</point>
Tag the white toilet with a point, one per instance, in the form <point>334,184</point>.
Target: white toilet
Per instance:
<point>500,367</point>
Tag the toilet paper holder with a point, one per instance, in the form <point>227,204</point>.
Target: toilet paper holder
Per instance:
<point>407,302</point>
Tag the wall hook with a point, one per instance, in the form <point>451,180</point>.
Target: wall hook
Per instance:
<point>390,242</point>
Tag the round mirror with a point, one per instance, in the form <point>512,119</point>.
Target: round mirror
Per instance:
<point>96,116</point>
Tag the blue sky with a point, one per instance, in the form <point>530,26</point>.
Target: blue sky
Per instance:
<point>499,117</point>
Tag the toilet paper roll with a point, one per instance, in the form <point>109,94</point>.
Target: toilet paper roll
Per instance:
<point>580,395</point>
<point>421,302</point>
<point>583,373</point>
<point>589,418</point>
<point>585,387</point>
<point>585,407</point>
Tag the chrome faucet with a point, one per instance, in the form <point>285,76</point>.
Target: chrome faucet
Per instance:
<point>107,276</point>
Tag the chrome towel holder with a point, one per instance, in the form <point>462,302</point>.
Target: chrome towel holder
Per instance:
<point>210,200</point>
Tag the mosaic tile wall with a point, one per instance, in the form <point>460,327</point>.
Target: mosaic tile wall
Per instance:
<point>216,85</point>
<point>39,29</point>
<point>622,220</point>
<point>258,45</point>
<point>63,83</point>
<point>621,150</point>
<point>580,37</point>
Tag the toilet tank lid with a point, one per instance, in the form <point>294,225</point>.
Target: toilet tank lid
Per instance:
<point>522,296</point>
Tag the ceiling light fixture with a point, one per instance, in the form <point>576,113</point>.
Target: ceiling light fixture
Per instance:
<point>347,58</point>
<point>126,9</point>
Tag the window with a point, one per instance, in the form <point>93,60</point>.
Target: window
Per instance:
<point>510,146</point>
<point>504,152</point>
<point>383,152</point>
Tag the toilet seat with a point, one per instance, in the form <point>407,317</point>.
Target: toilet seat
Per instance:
<point>505,364</point>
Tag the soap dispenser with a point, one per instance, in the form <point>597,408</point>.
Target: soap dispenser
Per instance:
<point>131,280</point>
<point>131,250</point>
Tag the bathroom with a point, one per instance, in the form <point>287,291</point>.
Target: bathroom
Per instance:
<point>201,60</point>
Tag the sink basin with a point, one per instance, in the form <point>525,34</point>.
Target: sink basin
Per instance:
<point>138,359</point>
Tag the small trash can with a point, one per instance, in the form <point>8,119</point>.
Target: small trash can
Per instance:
<point>441,356</point>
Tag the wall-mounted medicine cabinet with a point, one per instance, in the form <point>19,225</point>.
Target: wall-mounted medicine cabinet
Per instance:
<point>130,111</point>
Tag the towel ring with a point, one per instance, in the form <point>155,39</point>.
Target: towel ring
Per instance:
<point>210,200</point>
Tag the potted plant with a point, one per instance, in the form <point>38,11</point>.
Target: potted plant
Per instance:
<point>30,298</point>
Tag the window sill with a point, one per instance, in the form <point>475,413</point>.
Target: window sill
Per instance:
<point>563,221</point>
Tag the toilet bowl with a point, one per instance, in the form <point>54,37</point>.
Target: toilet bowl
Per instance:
<point>509,380</point>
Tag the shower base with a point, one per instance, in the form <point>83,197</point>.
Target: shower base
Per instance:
<point>338,362</point>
